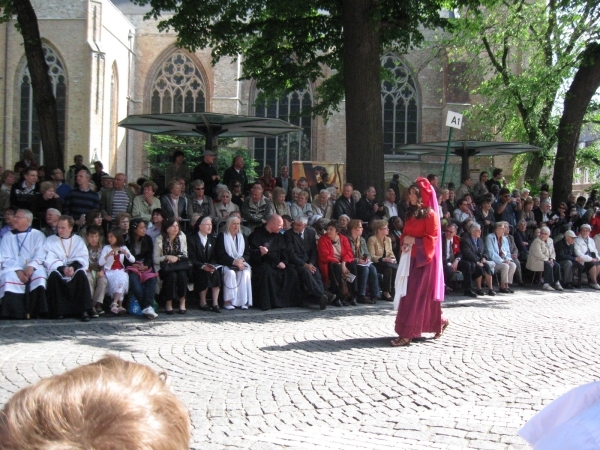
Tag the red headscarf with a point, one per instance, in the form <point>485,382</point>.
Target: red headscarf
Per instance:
<point>428,196</point>
<point>429,199</point>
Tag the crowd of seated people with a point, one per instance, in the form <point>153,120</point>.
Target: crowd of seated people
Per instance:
<point>492,232</point>
<point>268,244</point>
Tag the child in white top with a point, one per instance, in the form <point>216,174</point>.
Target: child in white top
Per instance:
<point>112,257</point>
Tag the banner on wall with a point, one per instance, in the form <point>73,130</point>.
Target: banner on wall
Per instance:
<point>313,170</point>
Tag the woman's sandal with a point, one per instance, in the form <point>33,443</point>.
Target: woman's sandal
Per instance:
<point>444,326</point>
<point>400,342</point>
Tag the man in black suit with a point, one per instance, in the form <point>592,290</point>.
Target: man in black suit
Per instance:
<point>473,259</point>
<point>303,257</point>
<point>284,181</point>
<point>236,173</point>
<point>367,207</point>
<point>452,258</point>
<point>345,204</point>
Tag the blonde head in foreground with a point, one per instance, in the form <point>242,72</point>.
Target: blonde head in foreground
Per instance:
<point>106,405</point>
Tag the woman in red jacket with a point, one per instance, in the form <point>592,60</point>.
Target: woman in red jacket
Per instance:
<point>334,256</point>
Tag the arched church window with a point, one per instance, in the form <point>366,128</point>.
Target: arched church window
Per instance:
<point>282,150</point>
<point>178,87</point>
<point>399,102</point>
<point>29,126</point>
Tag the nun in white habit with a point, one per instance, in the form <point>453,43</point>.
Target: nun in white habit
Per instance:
<point>23,276</point>
<point>67,261</point>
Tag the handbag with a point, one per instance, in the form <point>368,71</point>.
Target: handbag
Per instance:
<point>134,308</point>
<point>183,263</point>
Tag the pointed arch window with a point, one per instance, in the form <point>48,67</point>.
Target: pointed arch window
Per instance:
<point>282,150</point>
<point>400,105</point>
<point>29,126</point>
<point>178,87</point>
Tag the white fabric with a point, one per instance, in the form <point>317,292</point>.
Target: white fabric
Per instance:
<point>56,256</point>
<point>582,246</point>
<point>402,277</point>
<point>32,254</point>
<point>230,245</point>
<point>203,239</point>
<point>237,286</point>
<point>118,280</point>
<point>569,422</point>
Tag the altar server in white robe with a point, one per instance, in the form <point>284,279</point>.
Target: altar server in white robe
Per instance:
<point>23,276</point>
<point>67,260</point>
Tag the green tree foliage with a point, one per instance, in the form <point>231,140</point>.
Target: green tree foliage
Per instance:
<point>333,44</point>
<point>523,55</point>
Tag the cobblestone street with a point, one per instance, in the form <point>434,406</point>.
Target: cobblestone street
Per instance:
<point>304,378</point>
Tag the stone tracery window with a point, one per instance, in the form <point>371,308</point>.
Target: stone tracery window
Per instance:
<point>399,102</point>
<point>29,126</point>
<point>283,150</point>
<point>178,87</point>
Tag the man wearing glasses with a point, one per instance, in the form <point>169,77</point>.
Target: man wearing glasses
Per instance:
<point>505,208</point>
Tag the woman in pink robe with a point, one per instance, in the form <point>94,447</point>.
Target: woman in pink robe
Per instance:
<point>420,310</point>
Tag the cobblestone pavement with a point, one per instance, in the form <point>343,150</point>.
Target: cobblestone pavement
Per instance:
<point>309,379</point>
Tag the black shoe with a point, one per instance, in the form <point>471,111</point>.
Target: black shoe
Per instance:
<point>345,303</point>
<point>214,309</point>
<point>510,290</point>
<point>182,311</point>
<point>337,302</point>
<point>363,300</point>
<point>169,313</point>
<point>85,317</point>
<point>59,317</point>
<point>568,286</point>
<point>93,314</point>
<point>504,291</point>
<point>330,297</point>
<point>352,302</point>
<point>480,292</point>
<point>491,292</point>
<point>205,307</point>
<point>470,293</point>
<point>323,300</point>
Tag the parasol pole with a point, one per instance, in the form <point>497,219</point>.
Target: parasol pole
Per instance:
<point>453,120</point>
<point>447,156</point>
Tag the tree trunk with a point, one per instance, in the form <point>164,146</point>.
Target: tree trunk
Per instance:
<point>534,167</point>
<point>578,97</point>
<point>43,96</point>
<point>362,84</point>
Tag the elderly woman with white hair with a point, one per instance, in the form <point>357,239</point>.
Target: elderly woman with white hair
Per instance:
<point>232,251</point>
<point>225,206</point>
<point>497,248</point>
<point>585,248</point>
<point>542,258</point>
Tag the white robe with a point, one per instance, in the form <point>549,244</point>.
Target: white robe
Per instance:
<point>118,280</point>
<point>57,253</point>
<point>32,254</point>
